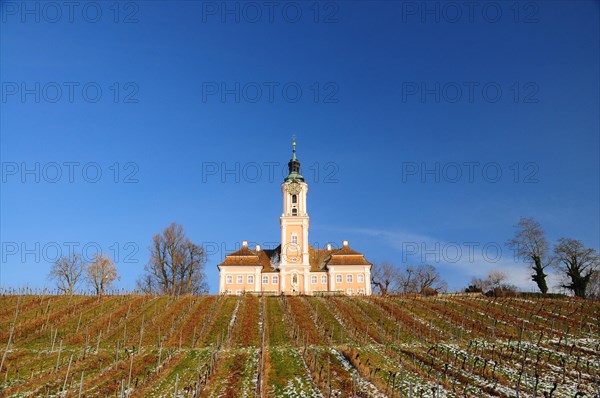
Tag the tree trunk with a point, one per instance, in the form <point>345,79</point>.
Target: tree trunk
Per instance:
<point>539,277</point>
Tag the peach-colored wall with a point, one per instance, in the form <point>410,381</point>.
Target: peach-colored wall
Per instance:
<point>234,286</point>
<point>246,286</point>
<point>284,280</point>
<point>355,284</point>
<point>288,288</point>
<point>270,285</point>
<point>320,286</point>
<point>291,250</point>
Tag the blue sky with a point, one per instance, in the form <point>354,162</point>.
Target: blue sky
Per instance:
<point>425,130</point>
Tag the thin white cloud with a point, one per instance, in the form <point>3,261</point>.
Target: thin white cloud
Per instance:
<point>465,259</point>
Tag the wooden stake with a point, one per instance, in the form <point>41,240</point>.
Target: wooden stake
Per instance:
<point>159,358</point>
<point>67,375</point>
<point>7,348</point>
<point>130,370</point>
<point>176,385</point>
<point>58,358</point>
<point>79,322</point>
<point>81,385</point>
<point>141,335</point>
<point>53,340</point>
<point>98,343</point>
<point>116,354</point>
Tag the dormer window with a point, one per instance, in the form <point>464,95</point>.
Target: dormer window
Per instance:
<point>294,198</point>
<point>294,212</point>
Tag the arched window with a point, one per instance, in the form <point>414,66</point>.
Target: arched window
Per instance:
<point>294,198</point>
<point>294,212</point>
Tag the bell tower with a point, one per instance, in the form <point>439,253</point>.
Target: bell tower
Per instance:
<point>294,221</point>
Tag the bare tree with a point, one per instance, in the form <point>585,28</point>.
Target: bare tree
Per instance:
<point>478,285</point>
<point>530,244</point>
<point>101,273</point>
<point>496,279</point>
<point>407,281</point>
<point>577,262</point>
<point>494,283</point>
<point>67,272</point>
<point>428,278</point>
<point>593,287</point>
<point>384,276</point>
<point>420,279</point>
<point>146,284</point>
<point>176,265</point>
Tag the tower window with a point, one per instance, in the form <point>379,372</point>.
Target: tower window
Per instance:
<point>294,212</point>
<point>295,239</point>
<point>294,198</point>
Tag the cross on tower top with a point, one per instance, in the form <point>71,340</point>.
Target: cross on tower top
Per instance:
<point>294,164</point>
<point>294,146</point>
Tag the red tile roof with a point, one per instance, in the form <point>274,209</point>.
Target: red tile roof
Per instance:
<point>347,256</point>
<point>318,258</point>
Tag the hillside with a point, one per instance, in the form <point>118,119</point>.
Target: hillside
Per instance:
<point>149,346</point>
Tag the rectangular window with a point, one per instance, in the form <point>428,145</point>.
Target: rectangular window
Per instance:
<point>349,278</point>
<point>250,278</point>
<point>324,279</point>
<point>229,279</point>
<point>361,278</point>
<point>229,292</point>
<point>275,279</point>
<point>238,292</point>
<point>350,292</point>
<point>295,239</point>
<point>313,279</point>
<point>265,280</point>
<point>361,292</point>
<point>338,278</point>
<point>240,279</point>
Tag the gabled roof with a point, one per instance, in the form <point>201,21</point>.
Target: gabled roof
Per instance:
<point>318,259</point>
<point>244,256</point>
<point>347,256</point>
<point>248,257</point>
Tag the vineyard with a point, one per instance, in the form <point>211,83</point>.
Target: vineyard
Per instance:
<point>250,346</point>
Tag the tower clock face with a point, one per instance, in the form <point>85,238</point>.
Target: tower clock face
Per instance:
<point>294,188</point>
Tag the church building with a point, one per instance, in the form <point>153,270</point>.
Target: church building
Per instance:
<point>295,267</point>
